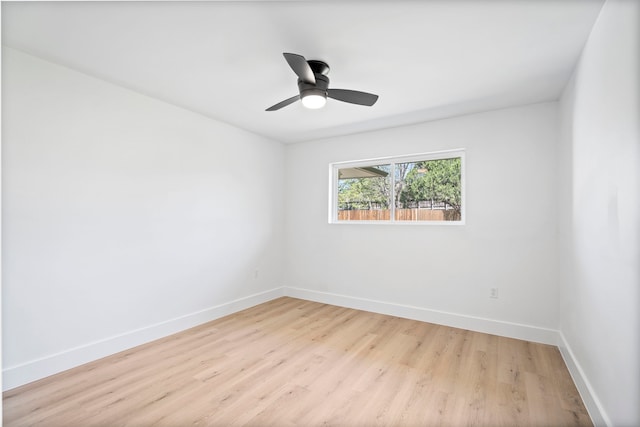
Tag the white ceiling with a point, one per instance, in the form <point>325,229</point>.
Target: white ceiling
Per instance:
<point>425,59</point>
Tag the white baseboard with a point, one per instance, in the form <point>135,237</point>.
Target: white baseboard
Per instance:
<point>478,324</point>
<point>33,370</point>
<point>591,402</point>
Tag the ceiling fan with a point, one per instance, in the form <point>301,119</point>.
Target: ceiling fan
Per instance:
<point>313,85</point>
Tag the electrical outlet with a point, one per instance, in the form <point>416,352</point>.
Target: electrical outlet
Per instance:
<point>255,274</point>
<point>493,293</point>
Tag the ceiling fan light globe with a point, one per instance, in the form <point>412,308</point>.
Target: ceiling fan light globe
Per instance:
<point>314,101</point>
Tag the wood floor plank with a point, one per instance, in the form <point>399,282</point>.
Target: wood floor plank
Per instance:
<point>291,362</point>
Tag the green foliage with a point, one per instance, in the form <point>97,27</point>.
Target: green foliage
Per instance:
<point>433,181</point>
<point>364,193</point>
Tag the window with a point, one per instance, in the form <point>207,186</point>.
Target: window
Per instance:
<point>421,188</point>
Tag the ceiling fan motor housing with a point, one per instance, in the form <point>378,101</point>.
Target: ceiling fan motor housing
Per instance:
<point>318,67</point>
<point>320,88</point>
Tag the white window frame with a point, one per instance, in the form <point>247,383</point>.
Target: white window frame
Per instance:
<point>392,160</point>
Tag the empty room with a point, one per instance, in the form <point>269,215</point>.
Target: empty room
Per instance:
<point>345,213</point>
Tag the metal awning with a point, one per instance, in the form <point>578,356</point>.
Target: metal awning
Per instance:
<point>363,172</point>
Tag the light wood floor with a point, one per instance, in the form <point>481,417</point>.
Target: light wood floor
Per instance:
<point>294,362</point>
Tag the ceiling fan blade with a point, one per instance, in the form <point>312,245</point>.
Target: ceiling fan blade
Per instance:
<point>300,66</point>
<point>284,103</point>
<point>353,96</point>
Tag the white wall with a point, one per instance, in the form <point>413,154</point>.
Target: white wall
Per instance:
<point>599,214</point>
<point>124,218</point>
<point>509,240</point>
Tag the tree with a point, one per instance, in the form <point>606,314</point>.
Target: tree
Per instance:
<point>436,181</point>
<point>402,170</point>
<point>364,193</point>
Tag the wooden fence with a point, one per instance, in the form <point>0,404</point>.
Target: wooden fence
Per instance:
<point>401,215</point>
